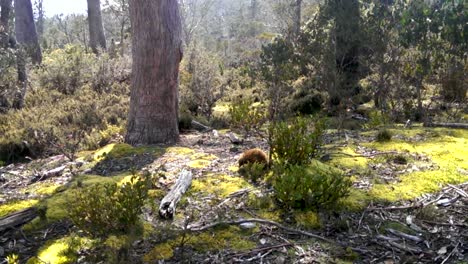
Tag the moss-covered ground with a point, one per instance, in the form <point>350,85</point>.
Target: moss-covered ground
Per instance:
<point>216,178</point>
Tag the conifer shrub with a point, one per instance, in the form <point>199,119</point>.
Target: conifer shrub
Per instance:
<point>309,186</point>
<point>296,141</point>
<point>104,209</point>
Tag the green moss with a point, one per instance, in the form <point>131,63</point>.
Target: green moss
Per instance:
<point>117,151</point>
<point>357,200</point>
<point>307,220</point>
<point>117,242</point>
<point>448,149</point>
<point>162,251</point>
<point>180,151</point>
<point>219,184</point>
<point>41,188</point>
<point>199,164</point>
<point>347,162</point>
<point>14,206</point>
<point>156,194</point>
<point>274,215</point>
<point>60,251</point>
<point>231,237</point>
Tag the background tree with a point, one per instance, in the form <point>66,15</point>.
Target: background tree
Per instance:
<point>96,30</point>
<point>5,6</point>
<point>117,11</point>
<point>25,29</point>
<point>156,56</point>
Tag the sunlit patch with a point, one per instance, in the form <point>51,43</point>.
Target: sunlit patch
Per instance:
<point>180,151</point>
<point>219,184</point>
<point>14,206</point>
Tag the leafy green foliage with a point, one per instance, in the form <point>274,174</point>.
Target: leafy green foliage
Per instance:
<point>253,171</point>
<point>297,141</point>
<point>109,208</point>
<point>315,185</point>
<point>384,135</point>
<point>246,116</point>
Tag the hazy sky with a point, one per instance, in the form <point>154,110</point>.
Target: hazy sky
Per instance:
<point>56,7</point>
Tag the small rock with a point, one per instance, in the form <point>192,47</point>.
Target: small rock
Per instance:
<point>2,252</point>
<point>234,149</point>
<point>280,260</point>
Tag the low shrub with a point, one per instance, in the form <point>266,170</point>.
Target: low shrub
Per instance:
<point>253,171</point>
<point>185,121</point>
<point>312,186</point>
<point>383,135</point>
<point>377,119</point>
<point>102,209</point>
<point>297,141</point>
<point>246,115</point>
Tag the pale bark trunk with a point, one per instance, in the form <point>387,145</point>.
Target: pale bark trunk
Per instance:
<point>297,18</point>
<point>157,52</point>
<point>26,34</point>
<point>96,30</point>
<point>5,5</point>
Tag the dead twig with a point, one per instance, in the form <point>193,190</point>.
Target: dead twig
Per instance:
<point>459,191</point>
<point>261,221</point>
<point>451,253</point>
<point>262,249</point>
<point>445,224</point>
<point>404,235</point>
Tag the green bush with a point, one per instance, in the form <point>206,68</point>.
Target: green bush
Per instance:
<point>384,135</point>
<point>66,69</point>
<point>50,117</point>
<point>102,209</point>
<point>377,119</point>
<point>246,116</point>
<point>253,171</point>
<point>297,141</point>
<point>185,121</point>
<point>314,185</point>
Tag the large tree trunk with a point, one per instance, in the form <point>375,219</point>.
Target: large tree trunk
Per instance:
<point>5,6</point>
<point>347,16</point>
<point>96,30</point>
<point>157,52</point>
<point>297,18</point>
<point>40,18</point>
<point>26,34</point>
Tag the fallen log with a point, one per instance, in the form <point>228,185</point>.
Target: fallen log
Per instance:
<point>49,174</point>
<point>169,202</point>
<point>448,125</point>
<point>17,219</point>
<point>200,127</point>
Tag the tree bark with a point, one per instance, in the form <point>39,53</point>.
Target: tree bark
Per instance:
<point>26,34</point>
<point>5,6</point>
<point>40,18</point>
<point>157,52</point>
<point>297,18</point>
<point>96,30</point>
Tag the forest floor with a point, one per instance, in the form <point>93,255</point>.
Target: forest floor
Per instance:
<point>408,204</point>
